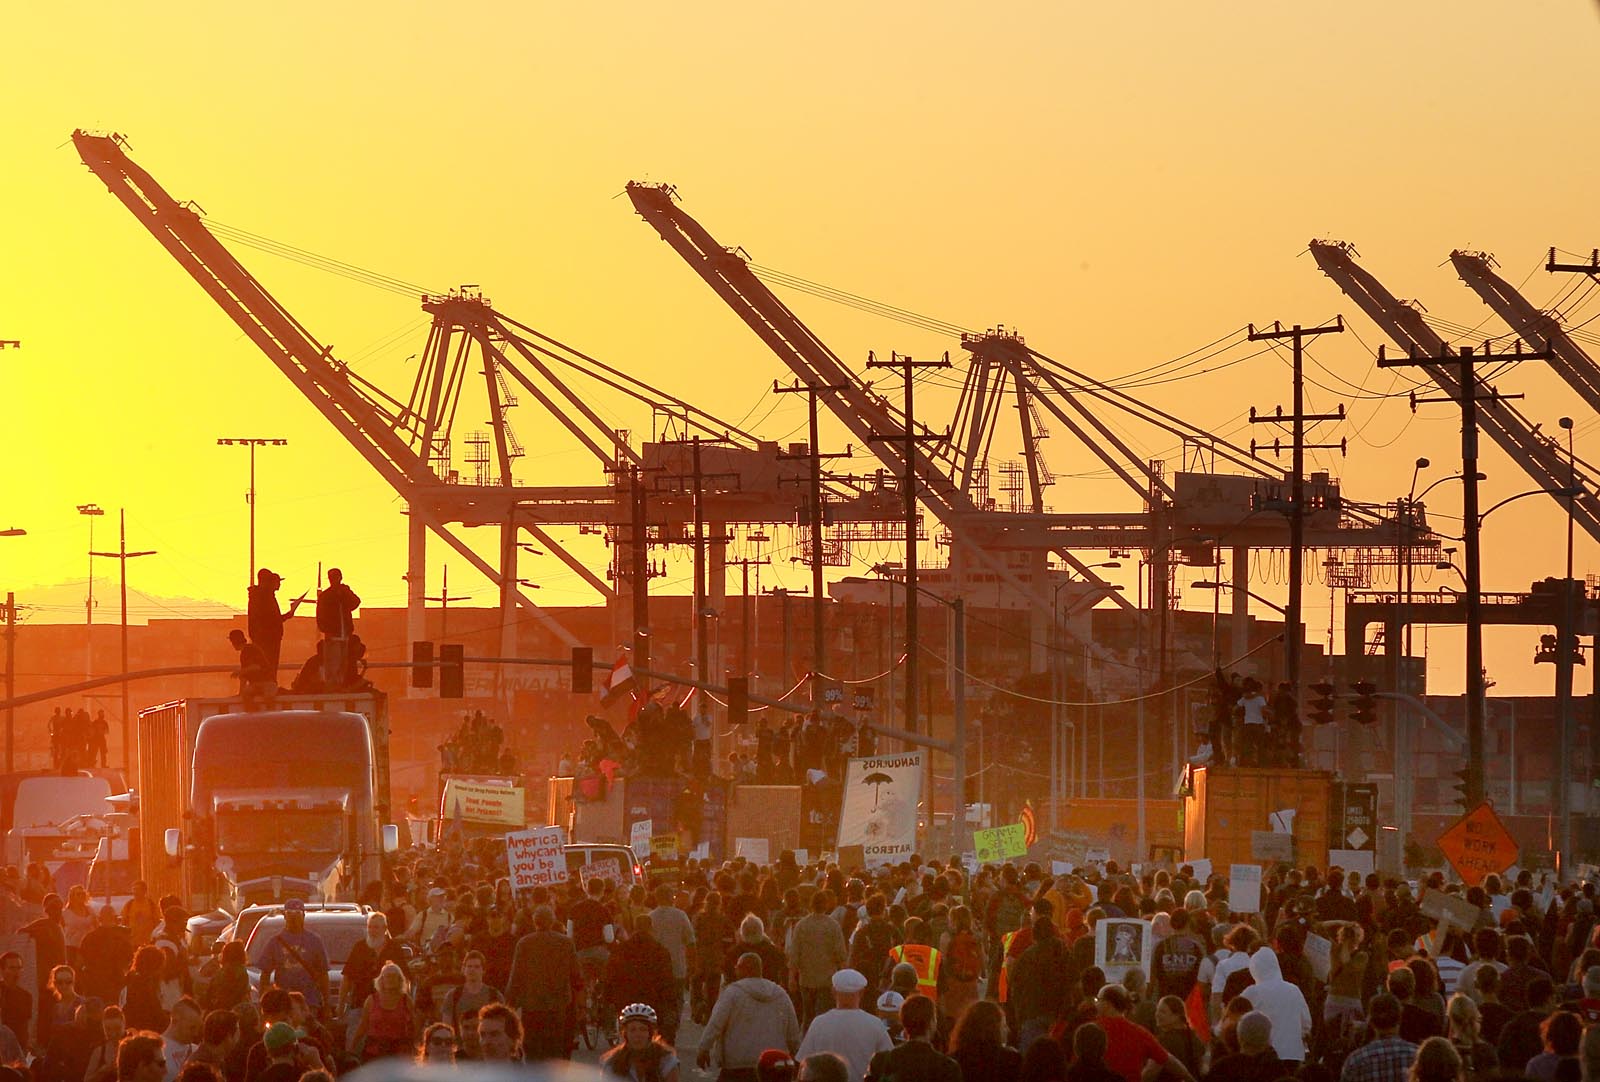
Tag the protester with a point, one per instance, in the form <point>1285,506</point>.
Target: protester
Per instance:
<point>846,1030</point>
<point>752,1015</point>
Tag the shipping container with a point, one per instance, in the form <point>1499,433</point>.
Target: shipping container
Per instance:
<point>772,812</point>
<point>670,805</point>
<point>1112,824</point>
<point>1226,805</point>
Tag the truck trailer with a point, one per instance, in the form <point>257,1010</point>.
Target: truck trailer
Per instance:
<point>239,806</point>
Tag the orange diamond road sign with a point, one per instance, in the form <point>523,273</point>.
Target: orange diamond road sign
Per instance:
<point>1479,845</point>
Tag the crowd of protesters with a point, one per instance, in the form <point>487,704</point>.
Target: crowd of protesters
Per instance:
<point>920,970</point>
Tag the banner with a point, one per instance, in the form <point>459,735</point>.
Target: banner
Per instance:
<point>536,858</point>
<point>1001,843</point>
<point>879,809</point>
<point>473,802</point>
<point>639,837</point>
<point>1120,945</point>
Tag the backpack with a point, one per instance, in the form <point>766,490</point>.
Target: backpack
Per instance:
<point>963,957</point>
<point>1010,911</point>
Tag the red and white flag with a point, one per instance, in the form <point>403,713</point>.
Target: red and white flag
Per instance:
<point>620,682</point>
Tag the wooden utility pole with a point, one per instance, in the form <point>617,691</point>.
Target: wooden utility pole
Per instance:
<point>11,679</point>
<point>814,509</point>
<point>1468,396</point>
<point>908,441</point>
<point>1296,419</point>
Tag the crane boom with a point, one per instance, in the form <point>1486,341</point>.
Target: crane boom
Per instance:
<point>1536,455</point>
<point>1567,358</point>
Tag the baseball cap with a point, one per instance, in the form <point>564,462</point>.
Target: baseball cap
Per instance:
<point>436,892</point>
<point>890,1001</point>
<point>849,980</point>
<point>776,1065</point>
<point>279,1035</point>
<point>294,905</point>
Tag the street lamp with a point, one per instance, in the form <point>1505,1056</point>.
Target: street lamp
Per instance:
<point>252,442</point>
<point>92,511</point>
<point>122,556</point>
<point>1566,644</point>
<point>1206,584</point>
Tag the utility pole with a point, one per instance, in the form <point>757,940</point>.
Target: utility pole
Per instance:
<point>444,600</point>
<point>746,625</point>
<point>908,441</point>
<point>1297,420</point>
<point>1468,397</point>
<point>640,568</point>
<point>92,511</point>
<point>784,594</point>
<point>122,556</point>
<point>252,442</point>
<point>11,679</point>
<point>814,456</point>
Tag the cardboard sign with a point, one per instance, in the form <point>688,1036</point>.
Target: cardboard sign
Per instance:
<point>1271,846</point>
<point>755,850</point>
<point>1244,888</point>
<point>639,837</point>
<point>1319,952</point>
<point>1121,944</point>
<point>802,857</point>
<point>1448,909</point>
<point>701,852</point>
<point>1061,867</point>
<point>1353,860</point>
<point>1202,869</point>
<point>536,858</point>
<point>1001,843</point>
<point>1478,845</point>
<point>664,848</point>
<point>470,802</point>
<point>1096,856</point>
<point>609,869</point>
<point>852,858</point>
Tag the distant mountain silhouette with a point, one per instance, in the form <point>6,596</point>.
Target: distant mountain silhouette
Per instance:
<point>62,603</point>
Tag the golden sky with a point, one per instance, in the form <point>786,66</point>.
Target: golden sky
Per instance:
<point>1123,182</point>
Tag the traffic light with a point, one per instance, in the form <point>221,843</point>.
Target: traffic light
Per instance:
<point>1364,702</point>
<point>452,670</point>
<point>1322,705</point>
<point>583,669</point>
<point>1463,788</point>
<point>422,664</point>
<point>738,700</point>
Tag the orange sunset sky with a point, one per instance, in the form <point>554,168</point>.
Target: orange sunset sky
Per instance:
<point>1122,182</point>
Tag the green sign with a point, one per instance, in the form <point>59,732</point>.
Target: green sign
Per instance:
<point>1001,843</point>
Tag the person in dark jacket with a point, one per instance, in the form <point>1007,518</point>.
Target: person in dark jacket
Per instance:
<point>142,1008</point>
<point>336,607</point>
<point>640,971</point>
<point>1038,994</point>
<point>543,985</point>
<point>1256,1061</point>
<point>104,957</point>
<point>916,1058</point>
<point>265,620</point>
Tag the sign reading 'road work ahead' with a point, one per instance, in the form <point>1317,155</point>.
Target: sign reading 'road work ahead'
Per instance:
<point>879,809</point>
<point>1479,845</point>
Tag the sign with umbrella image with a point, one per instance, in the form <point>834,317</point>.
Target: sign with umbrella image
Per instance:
<point>879,811</point>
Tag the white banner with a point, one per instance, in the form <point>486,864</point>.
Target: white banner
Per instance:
<point>471,802</point>
<point>879,810</point>
<point>536,858</point>
<point>639,837</point>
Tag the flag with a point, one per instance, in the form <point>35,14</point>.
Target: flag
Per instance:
<point>619,682</point>
<point>1030,826</point>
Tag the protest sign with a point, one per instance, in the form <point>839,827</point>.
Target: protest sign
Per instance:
<point>663,848</point>
<point>1121,944</point>
<point>609,869</point>
<point>1353,860</point>
<point>755,850</point>
<point>802,857</point>
<point>639,837</point>
<point>1319,952</point>
<point>1271,846</point>
<point>1448,909</point>
<point>878,812</point>
<point>1202,869</point>
<point>852,858</point>
<point>1000,843</point>
<point>1061,867</point>
<point>473,802</point>
<point>535,858</point>
<point>1244,888</point>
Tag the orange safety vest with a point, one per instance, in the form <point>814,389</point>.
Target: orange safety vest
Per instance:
<point>1003,988</point>
<point>925,960</point>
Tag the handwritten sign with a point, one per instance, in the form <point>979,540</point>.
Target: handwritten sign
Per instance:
<point>1319,952</point>
<point>536,858</point>
<point>755,850</point>
<point>608,869</point>
<point>639,836</point>
<point>1202,869</point>
<point>1271,845</point>
<point>664,848</point>
<point>802,857</point>
<point>1001,843</point>
<point>1244,888</point>
<point>1449,909</point>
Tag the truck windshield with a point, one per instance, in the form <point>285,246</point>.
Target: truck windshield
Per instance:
<point>254,832</point>
<point>107,877</point>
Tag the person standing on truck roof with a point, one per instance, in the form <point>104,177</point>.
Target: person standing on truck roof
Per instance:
<point>99,732</point>
<point>265,620</point>
<point>336,608</point>
<point>295,959</point>
<point>255,680</point>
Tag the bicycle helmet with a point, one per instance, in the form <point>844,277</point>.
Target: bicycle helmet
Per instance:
<point>637,1012</point>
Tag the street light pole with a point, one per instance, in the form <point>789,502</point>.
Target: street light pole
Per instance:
<point>122,556</point>
<point>252,442</point>
<point>1566,645</point>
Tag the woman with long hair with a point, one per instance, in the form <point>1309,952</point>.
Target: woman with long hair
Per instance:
<point>641,1054</point>
<point>438,1044</point>
<point>388,1024</point>
<point>141,992</point>
<point>77,920</point>
<point>1478,1058</point>
<point>978,1044</point>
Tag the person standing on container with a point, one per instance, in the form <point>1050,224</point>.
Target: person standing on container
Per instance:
<point>264,619</point>
<point>336,607</point>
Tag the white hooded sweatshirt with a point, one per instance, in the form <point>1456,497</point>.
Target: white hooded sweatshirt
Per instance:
<point>1281,1002</point>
